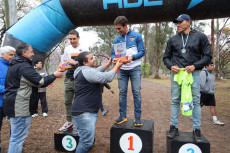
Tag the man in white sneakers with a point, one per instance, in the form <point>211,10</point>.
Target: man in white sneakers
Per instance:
<point>207,90</point>
<point>69,87</point>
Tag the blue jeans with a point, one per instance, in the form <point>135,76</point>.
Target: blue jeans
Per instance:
<point>176,99</point>
<point>85,124</point>
<point>19,131</point>
<point>123,79</point>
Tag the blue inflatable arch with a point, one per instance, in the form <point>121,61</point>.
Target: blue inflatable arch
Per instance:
<point>50,22</point>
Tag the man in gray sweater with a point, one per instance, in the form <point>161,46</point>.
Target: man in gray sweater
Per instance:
<point>207,89</point>
<point>87,99</point>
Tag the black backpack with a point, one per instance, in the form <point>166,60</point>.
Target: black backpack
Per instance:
<point>206,74</point>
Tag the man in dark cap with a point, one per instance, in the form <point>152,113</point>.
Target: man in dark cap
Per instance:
<point>190,50</point>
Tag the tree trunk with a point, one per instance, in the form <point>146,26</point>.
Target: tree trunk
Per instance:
<point>11,12</point>
<point>158,46</point>
<point>212,36</point>
<point>217,53</point>
<point>145,43</point>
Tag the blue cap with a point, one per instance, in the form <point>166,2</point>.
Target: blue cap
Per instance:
<point>182,17</point>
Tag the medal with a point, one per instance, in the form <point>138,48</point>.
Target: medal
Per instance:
<point>183,50</point>
<point>184,44</point>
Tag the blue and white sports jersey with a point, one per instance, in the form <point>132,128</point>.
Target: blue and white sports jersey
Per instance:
<point>134,48</point>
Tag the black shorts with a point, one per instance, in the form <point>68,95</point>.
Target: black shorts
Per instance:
<point>207,99</point>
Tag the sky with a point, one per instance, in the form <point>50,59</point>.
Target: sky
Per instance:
<point>87,39</point>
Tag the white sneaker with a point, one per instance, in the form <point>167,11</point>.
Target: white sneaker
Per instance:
<point>34,115</point>
<point>66,127</point>
<point>217,122</point>
<point>44,114</point>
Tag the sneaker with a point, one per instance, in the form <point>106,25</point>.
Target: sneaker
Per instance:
<point>173,131</point>
<point>66,127</point>
<point>34,115</point>
<point>104,112</point>
<point>217,122</point>
<point>137,122</point>
<point>44,114</point>
<point>197,136</point>
<point>121,120</point>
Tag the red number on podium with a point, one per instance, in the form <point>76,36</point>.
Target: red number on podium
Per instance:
<point>131,143</point>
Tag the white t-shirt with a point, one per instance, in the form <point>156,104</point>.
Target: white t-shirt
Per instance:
<point>69,49</point>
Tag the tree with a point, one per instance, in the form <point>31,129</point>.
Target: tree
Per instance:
<point>2,21</point>
<point>10,12</point>
<point>220,43</point>
<point>163,32</point>
<point>106,35</point>
<point>144,30</point>
<point>155,36</point>
<point>23,7</point>
<point>199,25</point>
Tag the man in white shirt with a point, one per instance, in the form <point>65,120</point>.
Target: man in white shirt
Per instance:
<point>69,88</point>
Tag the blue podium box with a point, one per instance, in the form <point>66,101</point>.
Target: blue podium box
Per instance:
<point>66,141</point>
<point>185,143</point>
<point>128,138</point>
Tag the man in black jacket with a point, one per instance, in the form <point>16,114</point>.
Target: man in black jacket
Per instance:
<point>20,79</point>
<point>189,49</point>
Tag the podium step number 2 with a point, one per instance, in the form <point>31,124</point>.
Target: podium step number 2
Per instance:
<point>69,143</point>
<point>130,143</point>
<point>184,143</point>
<point>189,148</point>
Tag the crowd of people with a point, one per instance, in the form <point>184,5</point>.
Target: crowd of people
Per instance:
<point>23,82</point>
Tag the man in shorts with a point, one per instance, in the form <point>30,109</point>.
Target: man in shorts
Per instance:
<point>207,90</point>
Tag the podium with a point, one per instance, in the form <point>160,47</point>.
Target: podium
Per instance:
<point>185,143</point>
<point>126,138</point>
<point>66,141</point>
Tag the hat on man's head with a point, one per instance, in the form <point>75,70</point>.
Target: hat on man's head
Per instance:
<point>182,17</point>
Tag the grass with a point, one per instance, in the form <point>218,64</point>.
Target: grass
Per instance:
<point>222,93</point>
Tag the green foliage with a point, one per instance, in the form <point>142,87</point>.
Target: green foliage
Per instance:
<point>106,34</point>
<point>145,69</point>
<point>199,25</point>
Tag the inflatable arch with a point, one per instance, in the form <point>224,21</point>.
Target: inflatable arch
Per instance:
<point>50,22</point>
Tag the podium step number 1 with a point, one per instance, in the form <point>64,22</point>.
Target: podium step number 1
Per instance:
<point>126,138</point>
<point>130,143</point>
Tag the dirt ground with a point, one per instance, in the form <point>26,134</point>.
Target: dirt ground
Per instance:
<point>155,106</point>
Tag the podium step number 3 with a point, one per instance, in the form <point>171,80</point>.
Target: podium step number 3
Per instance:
<point>130,143</point>
<point>69,143</point>
<point>66,141</point>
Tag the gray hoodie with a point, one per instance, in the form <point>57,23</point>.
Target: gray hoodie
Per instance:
<point>95,75</point>
<point>207,82</point>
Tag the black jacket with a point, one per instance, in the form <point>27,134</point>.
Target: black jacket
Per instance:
<point>70,72</point>
<point>21,78</point>
<point>88,97</point>
<point>198,51</point>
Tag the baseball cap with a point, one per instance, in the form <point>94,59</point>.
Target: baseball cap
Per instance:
<point>182,17</point>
